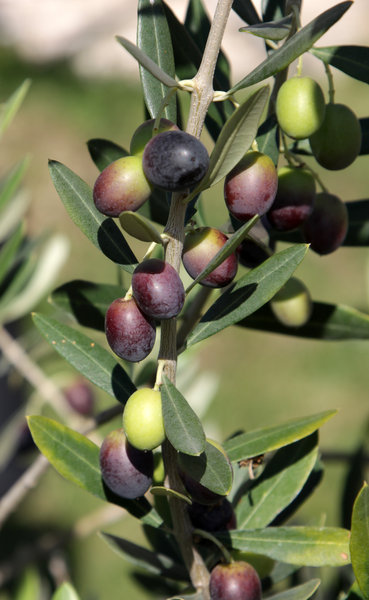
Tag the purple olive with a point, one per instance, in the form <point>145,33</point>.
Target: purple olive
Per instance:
<point>125,470</point>
<point>326,228</point>
<point>158,289</point>
<point>235,581</point>
<point>294,200</point>
<point>121,186</point>
<point>130,333</point>
<point>80,397</point>
<point>200,247</point>
<point>251,186</point>
<point>175,161</point>
<point>216,517</point>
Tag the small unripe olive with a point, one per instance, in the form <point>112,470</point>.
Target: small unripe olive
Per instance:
<point>300,107</point>
<point>145,132</point>
<point>292,304</point>
<point>337,142</point>
<point>121,186</point>
<point>143,419</point>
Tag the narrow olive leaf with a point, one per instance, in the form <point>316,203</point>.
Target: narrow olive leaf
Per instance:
<point>87,302</point>
<point>359,543</point>
<point>352,60</point>
<point>272,10</point>
<point>246,11</point>
<point>229,247</point>
<point>103,152</point>
<point>160,490</point>
<point>327,322</point>
<point>211,468</point>
<point>88,357</point>
<point>259,441</point>
<point>10,183</point>
<point>154,562</point>
<point>147,62</point>
<point>235,138</point>
<point>309,546</point>
<point>274,30</point>
<point>65,592</point>
<point>299,592</point>
<point>279,484</point>
<point>76,458</point>
<point>9,109</point>
<point>249,293</point>
<point>76,196</point>
<point>139,227</point>
<point>154,40</point>
<point>9,250</point>
<point>182,426</point>
<point>267,138</point>
<point>299,43</point>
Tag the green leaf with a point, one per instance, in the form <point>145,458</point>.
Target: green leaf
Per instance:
<point>9,250</point>
<point>246,11</point>
<point>88,357</point>
<point>154,562</point>
<point>352,60</point>
<point>278,485</point>
<point>139,227</point>
<point>11,106</point>
<point>29,585</point>
<point>11,182</point>
<point>299,592</point>
<point>76,458</point>
<point>229,247</point>
<point>87,302</point>
<point>250,292</point>
<point>76,196</point>
<point>211,468</point>
<point>161,490</point>
<point>65,592</point>
<point>153,38</point>
<point>359,544</point>
<point>327,322</point>
<point>235,138</point>
<point>103,152</point>
<point>274,30</point>
<point>182,426</point>
<point>299,43</point>
<point>305,546</point>
<point>259,441</point>
<point>267,138</point>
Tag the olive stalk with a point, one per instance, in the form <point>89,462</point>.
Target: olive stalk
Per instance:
<point>201,97</point>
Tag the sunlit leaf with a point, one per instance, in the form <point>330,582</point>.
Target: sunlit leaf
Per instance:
<point>139,227</point>
<point>9,109</point>
<point>299,592</point>
<point>259,441</point>
<point>359,544</point>
<point>211,468</point>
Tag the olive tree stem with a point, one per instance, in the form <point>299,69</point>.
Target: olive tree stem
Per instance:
<point>201,98</point>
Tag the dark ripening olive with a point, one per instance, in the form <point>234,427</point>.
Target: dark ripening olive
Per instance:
<point>200,247</point>
<point>251,186</point>
<point>337,142</point>
<point>121,186</point>
<point>326,228</point>
<point>124,469</point>
<point>145,132</point>
<point>300,107</point>
<point>235,581</point>
<point>130,333</point>
<point>216,517</point>
<point>175,161</point>
<point>294,200</point>
<point>158,289</point>
<point>80,397</point>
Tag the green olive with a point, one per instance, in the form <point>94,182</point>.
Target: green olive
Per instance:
<point>300,107</point>
<point>143,419</point>
<point>292,305</point>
